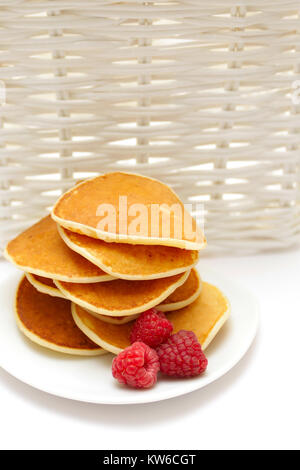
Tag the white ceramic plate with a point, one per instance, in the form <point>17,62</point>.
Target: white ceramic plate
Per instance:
<point>89,379</point>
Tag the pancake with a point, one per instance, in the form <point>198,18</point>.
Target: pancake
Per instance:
<point>40,250</point>
<point>47,321</point>
<point>183,295</point>
<point>205,316</point>
<point>78,210</point>
<point>44,285</point>
<point>131,262</point>
<point>114,320</point>
<point>119,298</point>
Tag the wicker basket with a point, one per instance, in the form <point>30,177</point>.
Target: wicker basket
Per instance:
<point>199,94</point>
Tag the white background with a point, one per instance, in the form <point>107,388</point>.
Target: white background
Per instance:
<point>255,406</point>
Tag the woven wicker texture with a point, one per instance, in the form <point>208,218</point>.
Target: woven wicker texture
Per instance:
<point>198,94</point>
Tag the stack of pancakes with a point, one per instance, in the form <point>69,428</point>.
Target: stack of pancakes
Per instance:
<point>85,283</point>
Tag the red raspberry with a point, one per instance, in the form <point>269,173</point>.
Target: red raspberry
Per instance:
<point>182,355</point>
<point>136,366</point>
<point>152,327</point>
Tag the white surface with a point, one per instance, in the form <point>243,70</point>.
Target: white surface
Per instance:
<point>255,405</point>
<point>90,379</point>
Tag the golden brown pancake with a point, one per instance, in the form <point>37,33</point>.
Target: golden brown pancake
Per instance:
<point>132,262</point>
<point>78,210</point>
<point>48,322</point>
<point>120,297</point>
<point>40,250</point>
<point>44,285</point>
<point>183,295</point>
<point>115,320</point>
<point>205,316</point>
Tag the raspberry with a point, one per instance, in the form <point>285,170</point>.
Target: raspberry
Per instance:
<point>152,327</point>
<point>136,366</point>
<point>182,355</point>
